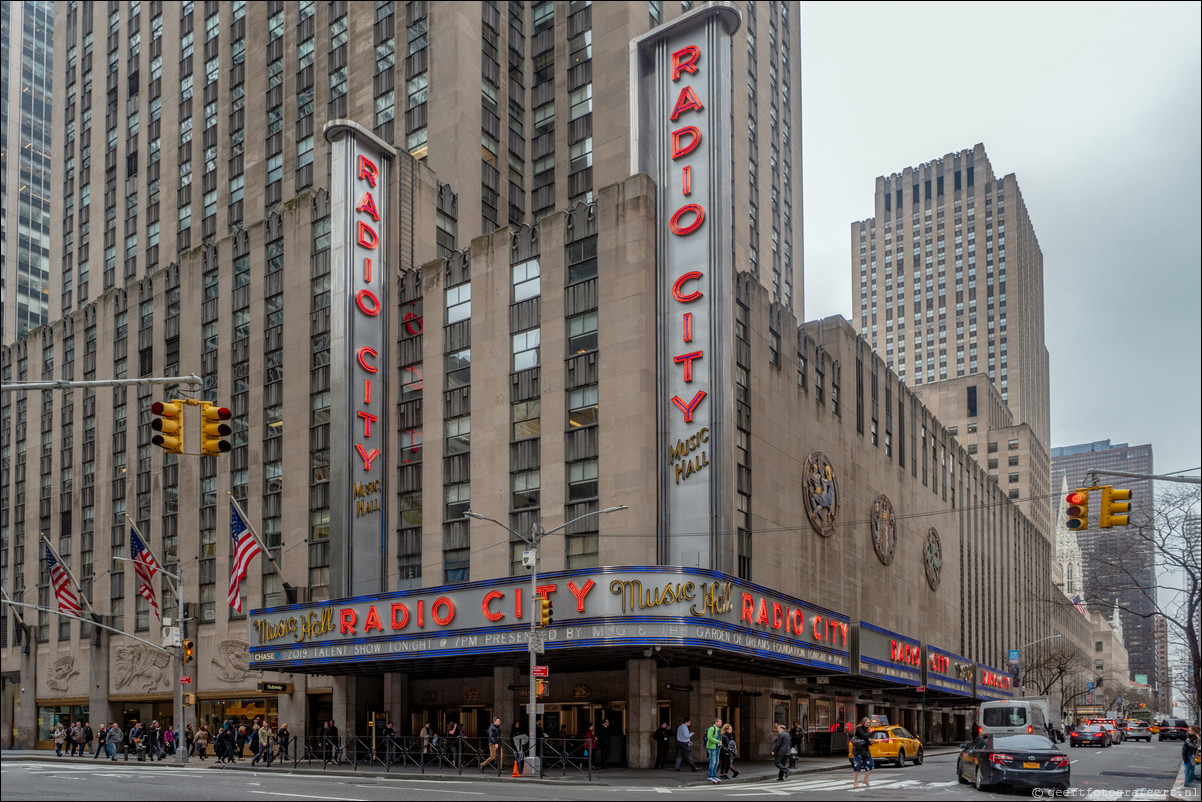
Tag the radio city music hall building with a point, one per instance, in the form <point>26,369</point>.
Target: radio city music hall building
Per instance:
<point>803,541</point>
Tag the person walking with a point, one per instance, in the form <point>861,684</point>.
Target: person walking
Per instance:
<point>76,744</point>
<point>88,735</point>
<point>169,740</point>
<point>520,741</point>
<point>861,753</point>
<point>780,752</point>
<point>713,745</point>
<point>1189,754</point>
<point>200,741</point>
<point>101,740</point>
<point>602,744</point>
<point>135,742</point>
<point>60,738</point>
<point>684,744</point>
<point>285,740</point>
<point>663,744</point>
<point>494,742</point>
<point>795,744</point>
<point>266,743</point>
<point>730,750</point>
<point>153,740</point>
<point>190,740</point>
<point>455,743</point>
<point>113,741</point>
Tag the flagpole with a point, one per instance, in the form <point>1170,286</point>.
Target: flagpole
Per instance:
<point>162,568</point>
<point>82,597</point>
<point>266,551</point>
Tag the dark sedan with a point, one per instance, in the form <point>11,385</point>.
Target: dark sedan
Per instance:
<point>1025,761</point>
<point>1090,735</point>
<point>1172,729</point>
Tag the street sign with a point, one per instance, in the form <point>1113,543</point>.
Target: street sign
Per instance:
<point>540,671</point>
<point>1014,655</point>
<point>185,680</point>
<point>921,689</point>
<point>1089,686</point>
<point>535,645</point>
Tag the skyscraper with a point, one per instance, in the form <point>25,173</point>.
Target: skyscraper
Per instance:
<point>26,46</point>
<point>1106,581</point>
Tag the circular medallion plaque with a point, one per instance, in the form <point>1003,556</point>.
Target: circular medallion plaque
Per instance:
<point>884,528</point>
<point>821,494</point>
<point>932,556</point>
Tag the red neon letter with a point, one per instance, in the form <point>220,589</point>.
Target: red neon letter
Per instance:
<point>367,458</point>
<point>778,615</point>
<point>678,292</point>
<point>373,620</point>
<point>367,205</point>
<point>686,180</point>
<point>688,327</point>
<point>762,618</point>
<point>687,359</point>
<point>817,620</point>
<point>580,593</point>
<point>368,170</point>
<point>517,602</point>
<point>421,613</point>
<point>367,271</point>
<point>368,420</point>
<point>413,323</point>
<point>362,297</point>
<point>445,604</point>
<point>347,621</point>
<point>679,149</point>
<point>698,219</point>
<point>367,391</point>
<point>397,607</point>
<point>683,60</point>
<point>488,598</point>
<point>543,590</point>
<point>686,102</point>
<point>687,409</point>
<point>799,622</point>
<point>366,350</point>
<point>748,608</point>
<point>367,235</point>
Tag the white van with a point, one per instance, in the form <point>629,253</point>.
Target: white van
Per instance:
<point>1011,717</point>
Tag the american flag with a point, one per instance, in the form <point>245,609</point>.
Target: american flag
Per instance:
<point>145,568</point>
<point>245,548</point>
<point>1080,605</point>
<point>68,602</point>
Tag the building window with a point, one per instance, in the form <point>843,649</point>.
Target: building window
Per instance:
<point>525,349</point>
<point>459,369</point>
<point>459,303</point>
<point>582,333</point>
<point>582,480</point>
<point>526,280</point>
<point>524,485</point>
<point>582,407</point>
<point>582,260</point>
<point>525,420</point>
<point>458,435</point>
<point>458,500</point>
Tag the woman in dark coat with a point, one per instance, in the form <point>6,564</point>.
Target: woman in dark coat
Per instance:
<point>861,753</point>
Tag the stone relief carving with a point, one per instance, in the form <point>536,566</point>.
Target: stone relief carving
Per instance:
<point>141,667</point>
<point>232,662</point>
<point>61,673</point>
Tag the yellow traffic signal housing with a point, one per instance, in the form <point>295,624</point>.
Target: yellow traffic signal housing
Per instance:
<point>214,429</point>
<point>1114,508</point>
<point>542,687</point>
<point>1078,510</point>
<point>189,700</point>
<point>545,613</point>
<point>169,425</point>
<point>189,650</point>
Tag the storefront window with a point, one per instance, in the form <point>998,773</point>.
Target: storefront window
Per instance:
<point>822,720</point>
<point>216,712</point>
<point>780,713</point>
<point>66,715</point>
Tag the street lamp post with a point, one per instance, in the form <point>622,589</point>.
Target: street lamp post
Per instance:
<point>536,534</point>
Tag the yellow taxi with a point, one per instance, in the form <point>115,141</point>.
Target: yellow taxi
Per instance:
<point>891,743</point>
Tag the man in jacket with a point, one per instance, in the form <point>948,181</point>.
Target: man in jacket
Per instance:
<point>153,735</point>
<point>101,740</point>
<point>663,743</point>
<point>88,735</point>
<point>684,744</point>
<point>494,741</point>
<point>713,744</point>
<point>135,741</point>
<point>780,752</point>
<point>112,742</point>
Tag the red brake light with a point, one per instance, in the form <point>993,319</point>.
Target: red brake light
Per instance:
<point>1030,729</point>
<point>1058,760</point>
<point>1099,735</point>
<point>998,757</point>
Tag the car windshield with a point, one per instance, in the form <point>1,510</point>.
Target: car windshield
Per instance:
<point>1089,728</point>
<point>1021,742</point>
<point>1004,716</point>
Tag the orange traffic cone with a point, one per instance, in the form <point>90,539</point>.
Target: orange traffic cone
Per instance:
<point>516,773</point>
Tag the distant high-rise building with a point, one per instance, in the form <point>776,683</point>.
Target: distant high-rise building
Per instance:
<point>26,73</point>
<point>1116,565</point>
<point>947,284</point>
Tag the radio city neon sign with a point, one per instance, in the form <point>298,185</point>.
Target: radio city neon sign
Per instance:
<point>368,306</point>
<point>905,653</point>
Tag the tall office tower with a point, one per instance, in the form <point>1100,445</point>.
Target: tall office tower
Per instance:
<point>948,285</point>
<point>1116,565</point>
<point>26,38</point>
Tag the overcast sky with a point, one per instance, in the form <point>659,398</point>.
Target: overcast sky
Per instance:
<point>1095,109</point>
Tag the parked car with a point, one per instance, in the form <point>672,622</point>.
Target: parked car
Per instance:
<point>1089,735</point>
<point>1026,761</point>
<point>1172,729</point>
<point>1137,730</point>
<point>892,743</point>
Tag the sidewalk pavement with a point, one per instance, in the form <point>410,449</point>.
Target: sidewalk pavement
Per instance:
<point>749,771</point>
<point>1179,791</point>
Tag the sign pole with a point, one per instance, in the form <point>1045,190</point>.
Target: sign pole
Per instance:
<point>532,723</point>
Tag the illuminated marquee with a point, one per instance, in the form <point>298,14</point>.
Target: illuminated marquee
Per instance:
<point>993,684</point>
<point>889,655</point>
<point>682,138</point>
<point>359,302</point>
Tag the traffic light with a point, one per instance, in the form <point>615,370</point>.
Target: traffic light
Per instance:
<point>1078,510</point>
<point>542,687</point>
<point>1114,507</point>
<point>189,700</point>
<point>213,429</point>
<point>169,425</point>
<point>189,650</point>
<point>544,613</point>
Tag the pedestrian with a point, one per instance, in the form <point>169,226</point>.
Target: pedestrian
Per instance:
<point>861,753</point>
<point>240,737</point>
<point>169,740</point>
<point>455,742</point>
<point>88,735</point>
<point>264,743</point>
<point>684,744</point>
<point>730,750</point>
<point>60,738</point>
<point>590,745</point>
<point>780,752</point>
<point>154,740</point>
<point>135,742</point>
<point>795,744</point>
<point>113,741</point>
<point>101,740</point>
<point>334,745</point>
<point>285,740</point>
<point>201,742</point>
<point>663,743</point>
<point>538,736</point>
<point>1189,754</point>
<point>190,740</point>
<point>602,744</point>
<point>713,745</point>
<point>520,741</point>
<point>252,739</point>
<point>494,742</point>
